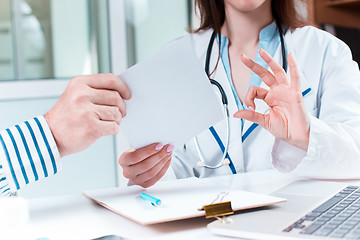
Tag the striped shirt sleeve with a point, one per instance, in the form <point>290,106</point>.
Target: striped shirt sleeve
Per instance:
<point>28,153</point>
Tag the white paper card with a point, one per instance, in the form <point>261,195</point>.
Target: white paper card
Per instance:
<point>172,98</point>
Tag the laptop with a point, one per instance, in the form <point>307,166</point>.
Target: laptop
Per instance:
<point>314,210</point>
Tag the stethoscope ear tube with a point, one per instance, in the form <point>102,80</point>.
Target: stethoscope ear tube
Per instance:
<point>221,90</point>
<point>208,53</point>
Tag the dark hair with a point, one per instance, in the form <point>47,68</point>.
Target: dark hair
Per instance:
<point>212,14</point>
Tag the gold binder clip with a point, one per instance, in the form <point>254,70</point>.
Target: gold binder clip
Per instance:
<point>218,210</point>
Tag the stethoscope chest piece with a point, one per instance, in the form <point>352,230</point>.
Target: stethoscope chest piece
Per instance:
<point>225,162</point>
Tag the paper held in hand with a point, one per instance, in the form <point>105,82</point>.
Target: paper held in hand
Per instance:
<point>172,98</point>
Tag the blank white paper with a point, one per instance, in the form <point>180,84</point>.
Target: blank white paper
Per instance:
<point>172,98</point>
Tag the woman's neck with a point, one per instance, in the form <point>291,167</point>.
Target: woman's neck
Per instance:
<point>243,28</point>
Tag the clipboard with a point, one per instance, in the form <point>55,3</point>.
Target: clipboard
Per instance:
<point>180,199</point>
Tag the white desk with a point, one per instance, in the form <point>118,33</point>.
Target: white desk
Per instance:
<point>75,217</point>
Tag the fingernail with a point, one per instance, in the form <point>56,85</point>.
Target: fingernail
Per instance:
<point>251,108</point>
<point>158,147</point>
<point>170,148</point>
<point>263,51</point>
<point>129,96</point>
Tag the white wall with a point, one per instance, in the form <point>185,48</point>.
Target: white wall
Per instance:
<point>6,47</point>
<point>155,23</point>
<point>6,51</point>
<point>70,38</point>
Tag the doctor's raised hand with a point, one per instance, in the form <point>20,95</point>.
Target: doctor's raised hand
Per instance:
<point>92,106</point>
<point>287,118</point>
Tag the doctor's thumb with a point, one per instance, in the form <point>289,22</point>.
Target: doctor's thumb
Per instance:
<point>251,116</point>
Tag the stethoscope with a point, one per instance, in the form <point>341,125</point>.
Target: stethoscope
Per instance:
<point>224,159</point>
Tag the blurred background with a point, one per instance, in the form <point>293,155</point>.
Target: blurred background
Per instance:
<point>44,43</point>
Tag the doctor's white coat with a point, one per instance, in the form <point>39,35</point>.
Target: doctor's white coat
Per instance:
<point>330,82</point>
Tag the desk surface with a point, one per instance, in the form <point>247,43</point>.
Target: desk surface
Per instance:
<point>76,217</point>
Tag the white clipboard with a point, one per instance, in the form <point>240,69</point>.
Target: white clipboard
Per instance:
<point>180,199</point>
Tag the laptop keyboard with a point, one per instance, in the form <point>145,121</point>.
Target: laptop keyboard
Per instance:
<point>338,217</point>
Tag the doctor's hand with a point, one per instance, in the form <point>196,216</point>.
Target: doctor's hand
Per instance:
<point>90,107</point>
<point>287,118</point>
<point>147,165</point>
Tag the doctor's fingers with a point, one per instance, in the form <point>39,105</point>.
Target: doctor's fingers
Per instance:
<point>253,116</point>
<point>149,163</point>
<point>135,156</point>
<point>294,74</point>
<point>278,71</point>
<point>151,177</point>
<point>263,73</point>
<point>108,98</point>
<point>109,81</point>
<point>108,113</point>
<point>255,92</point>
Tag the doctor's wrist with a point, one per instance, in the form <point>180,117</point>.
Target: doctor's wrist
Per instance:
<point>303,142</point>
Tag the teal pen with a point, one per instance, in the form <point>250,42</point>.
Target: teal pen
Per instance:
<point>153,200</point>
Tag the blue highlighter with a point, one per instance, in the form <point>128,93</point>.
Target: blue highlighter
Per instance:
<point>153,200</point>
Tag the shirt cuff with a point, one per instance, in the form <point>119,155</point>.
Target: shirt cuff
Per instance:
<point>286,157</point>
<point>4,183</point>
<point>28,153</point>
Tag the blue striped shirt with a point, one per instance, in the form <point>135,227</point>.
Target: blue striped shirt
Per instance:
<point>28,153</point>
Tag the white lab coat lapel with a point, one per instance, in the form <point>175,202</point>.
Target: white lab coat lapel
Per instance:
<point>305,86</point>
<point>261,106</point>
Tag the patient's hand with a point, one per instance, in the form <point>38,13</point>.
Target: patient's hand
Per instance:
<point>91,107</point>
<point>147,165</point>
